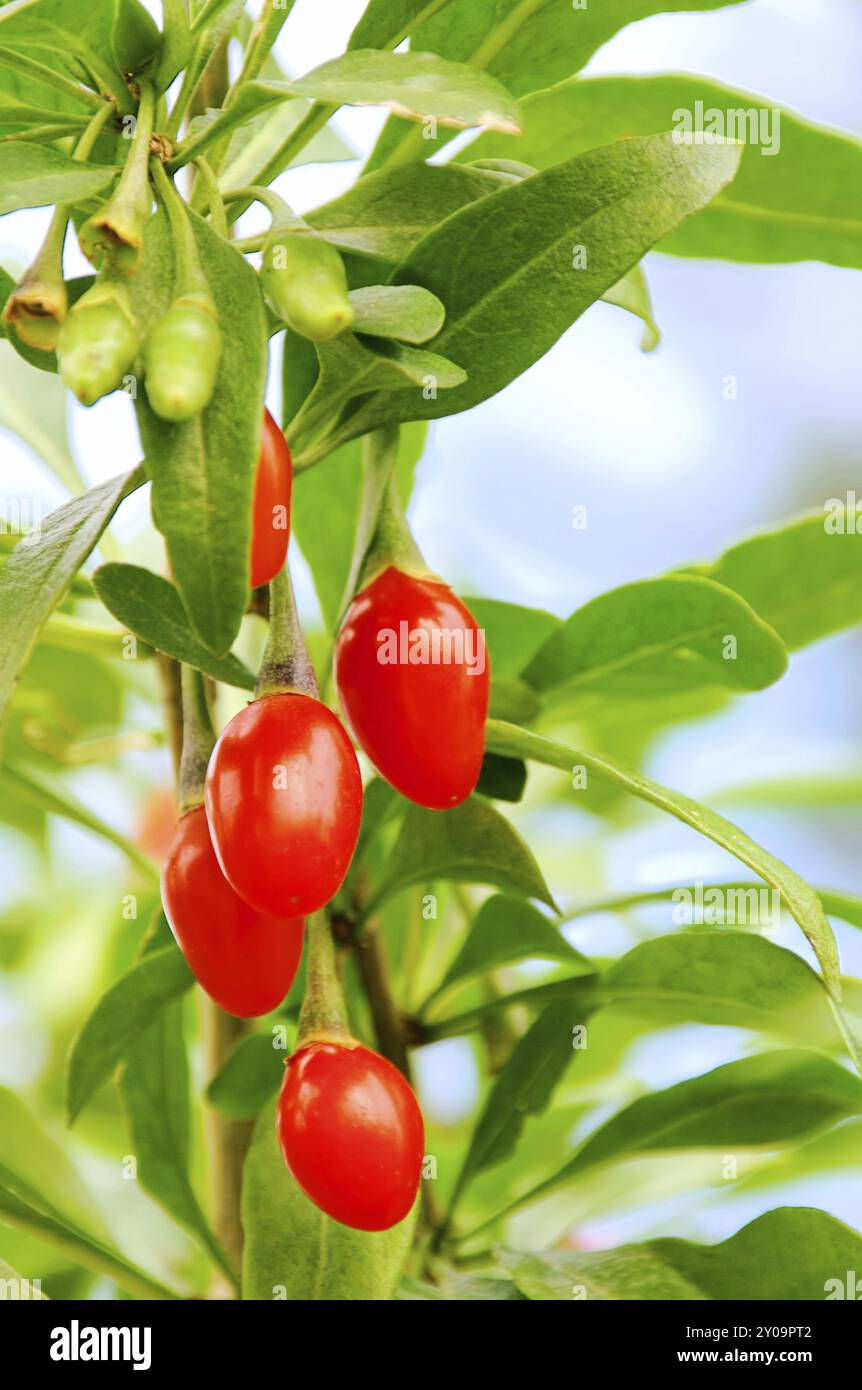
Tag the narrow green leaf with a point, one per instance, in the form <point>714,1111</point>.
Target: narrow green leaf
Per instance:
<point>797,896</point>
<point>251,1076</point>
<point>792,1253</point>
<point>416,85</point>
<point>150,606</point>
<point>397,311</point>
<point>203,470</point>
<point>38,572</point>
<point>612,203</point>
<point>121,1016</point>
<point>47,794</point>
<point>661,635</point>
<point>32,176</point>
<point>804,579</point>
<point>472,843</point>
<point>797,195</point>
<point>385,214</point>
<point>507,929</point>
<point>295,1251</point>
<point>524,1087</point>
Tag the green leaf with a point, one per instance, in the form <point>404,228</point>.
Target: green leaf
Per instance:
<point>41,1194</point>
<point>632,293</point>
<point>120,1017</point>
<point>32,176</point>
<point>416,85</point>
<point>797,896</point>
<point>135,37</point>
<point>34,409</point>
<point>524,1087</point>
<point>251,1076</point>
<point>177,46</point>
<point>325,512</point>
<point>255,144</point>
<point>38,572</point>
<point>385,23</point>
<point>505,311</point>
<point>508,929</point>
<point>385,214</point>
<point>792,1253</point>
<point>294,1251</point>
<point>397,311</point>
<point>804,580</point>
<point>502,779</point>
<point>802,202</point>
<point>658,636</point>
<point>472,843</point>
<point>513,634</point>
<point>150,606</point>
<point>251,100</point>
<point>527,46</point>
<point>154,1086</point>
<point>352,366</point>
<point>62,29</point>
<point>27,1290</point>
<point>49,795</point>
<point>765,1100</point>
<point>203,470</point>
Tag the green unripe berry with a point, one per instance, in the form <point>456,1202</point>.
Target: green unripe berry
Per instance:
<point>98,344</point>
<point>306,283</point>
<point>182,353</point>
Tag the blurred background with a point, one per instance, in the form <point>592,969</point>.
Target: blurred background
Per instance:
<point>670,471</point>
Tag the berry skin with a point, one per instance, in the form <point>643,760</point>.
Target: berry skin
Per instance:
<point>351,1132</point>
<point>245,960</point>
<point>272,490</point>
<point>284,802</point>
<point>421,724</point>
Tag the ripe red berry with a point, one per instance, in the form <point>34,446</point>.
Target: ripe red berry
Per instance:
<point>244,959</point>
<point>419,717</point>
<point>284,802</point>
<point>351,1132</point>
<point>271,512</point>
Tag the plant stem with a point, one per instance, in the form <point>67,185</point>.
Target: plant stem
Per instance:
<point>190,279</point>
<point>169,674</point>
<point>228,1140</point>
<point>84,147</point>
<point>214,199</point>
<point>374,973</point>
<point>286,665</point>
<point>323,1015</point>
<point>313,121</point>
<point>198,740</point>
<point>40,72</point>
<point>265,32</point>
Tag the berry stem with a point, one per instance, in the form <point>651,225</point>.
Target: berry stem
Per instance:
<point>323,1016</point>
<point>198,740</point>
<point>393,543</point>
<point>286,666</point>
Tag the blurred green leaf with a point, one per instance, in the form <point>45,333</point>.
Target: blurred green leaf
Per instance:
<point>524,1087</point>
<point>33,408</point>
<point>154,1085</point>
<point>632,294</point>
<point>792,1253</point>
<point>39,571</point>
<point>507,929</point>
<point>797,896</point>
<point>796,200</point>
<point>769,1099</point>
<point>122,1015</point>
<point>502,779</point>
<point>472,843</point>
<point>251,1076</point>
<point>513,634</point>
<point>40,1193</point>
<point>151,607</point>
<point>294,1251</point>
<point>657,636</point>
<point>804,580</point>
